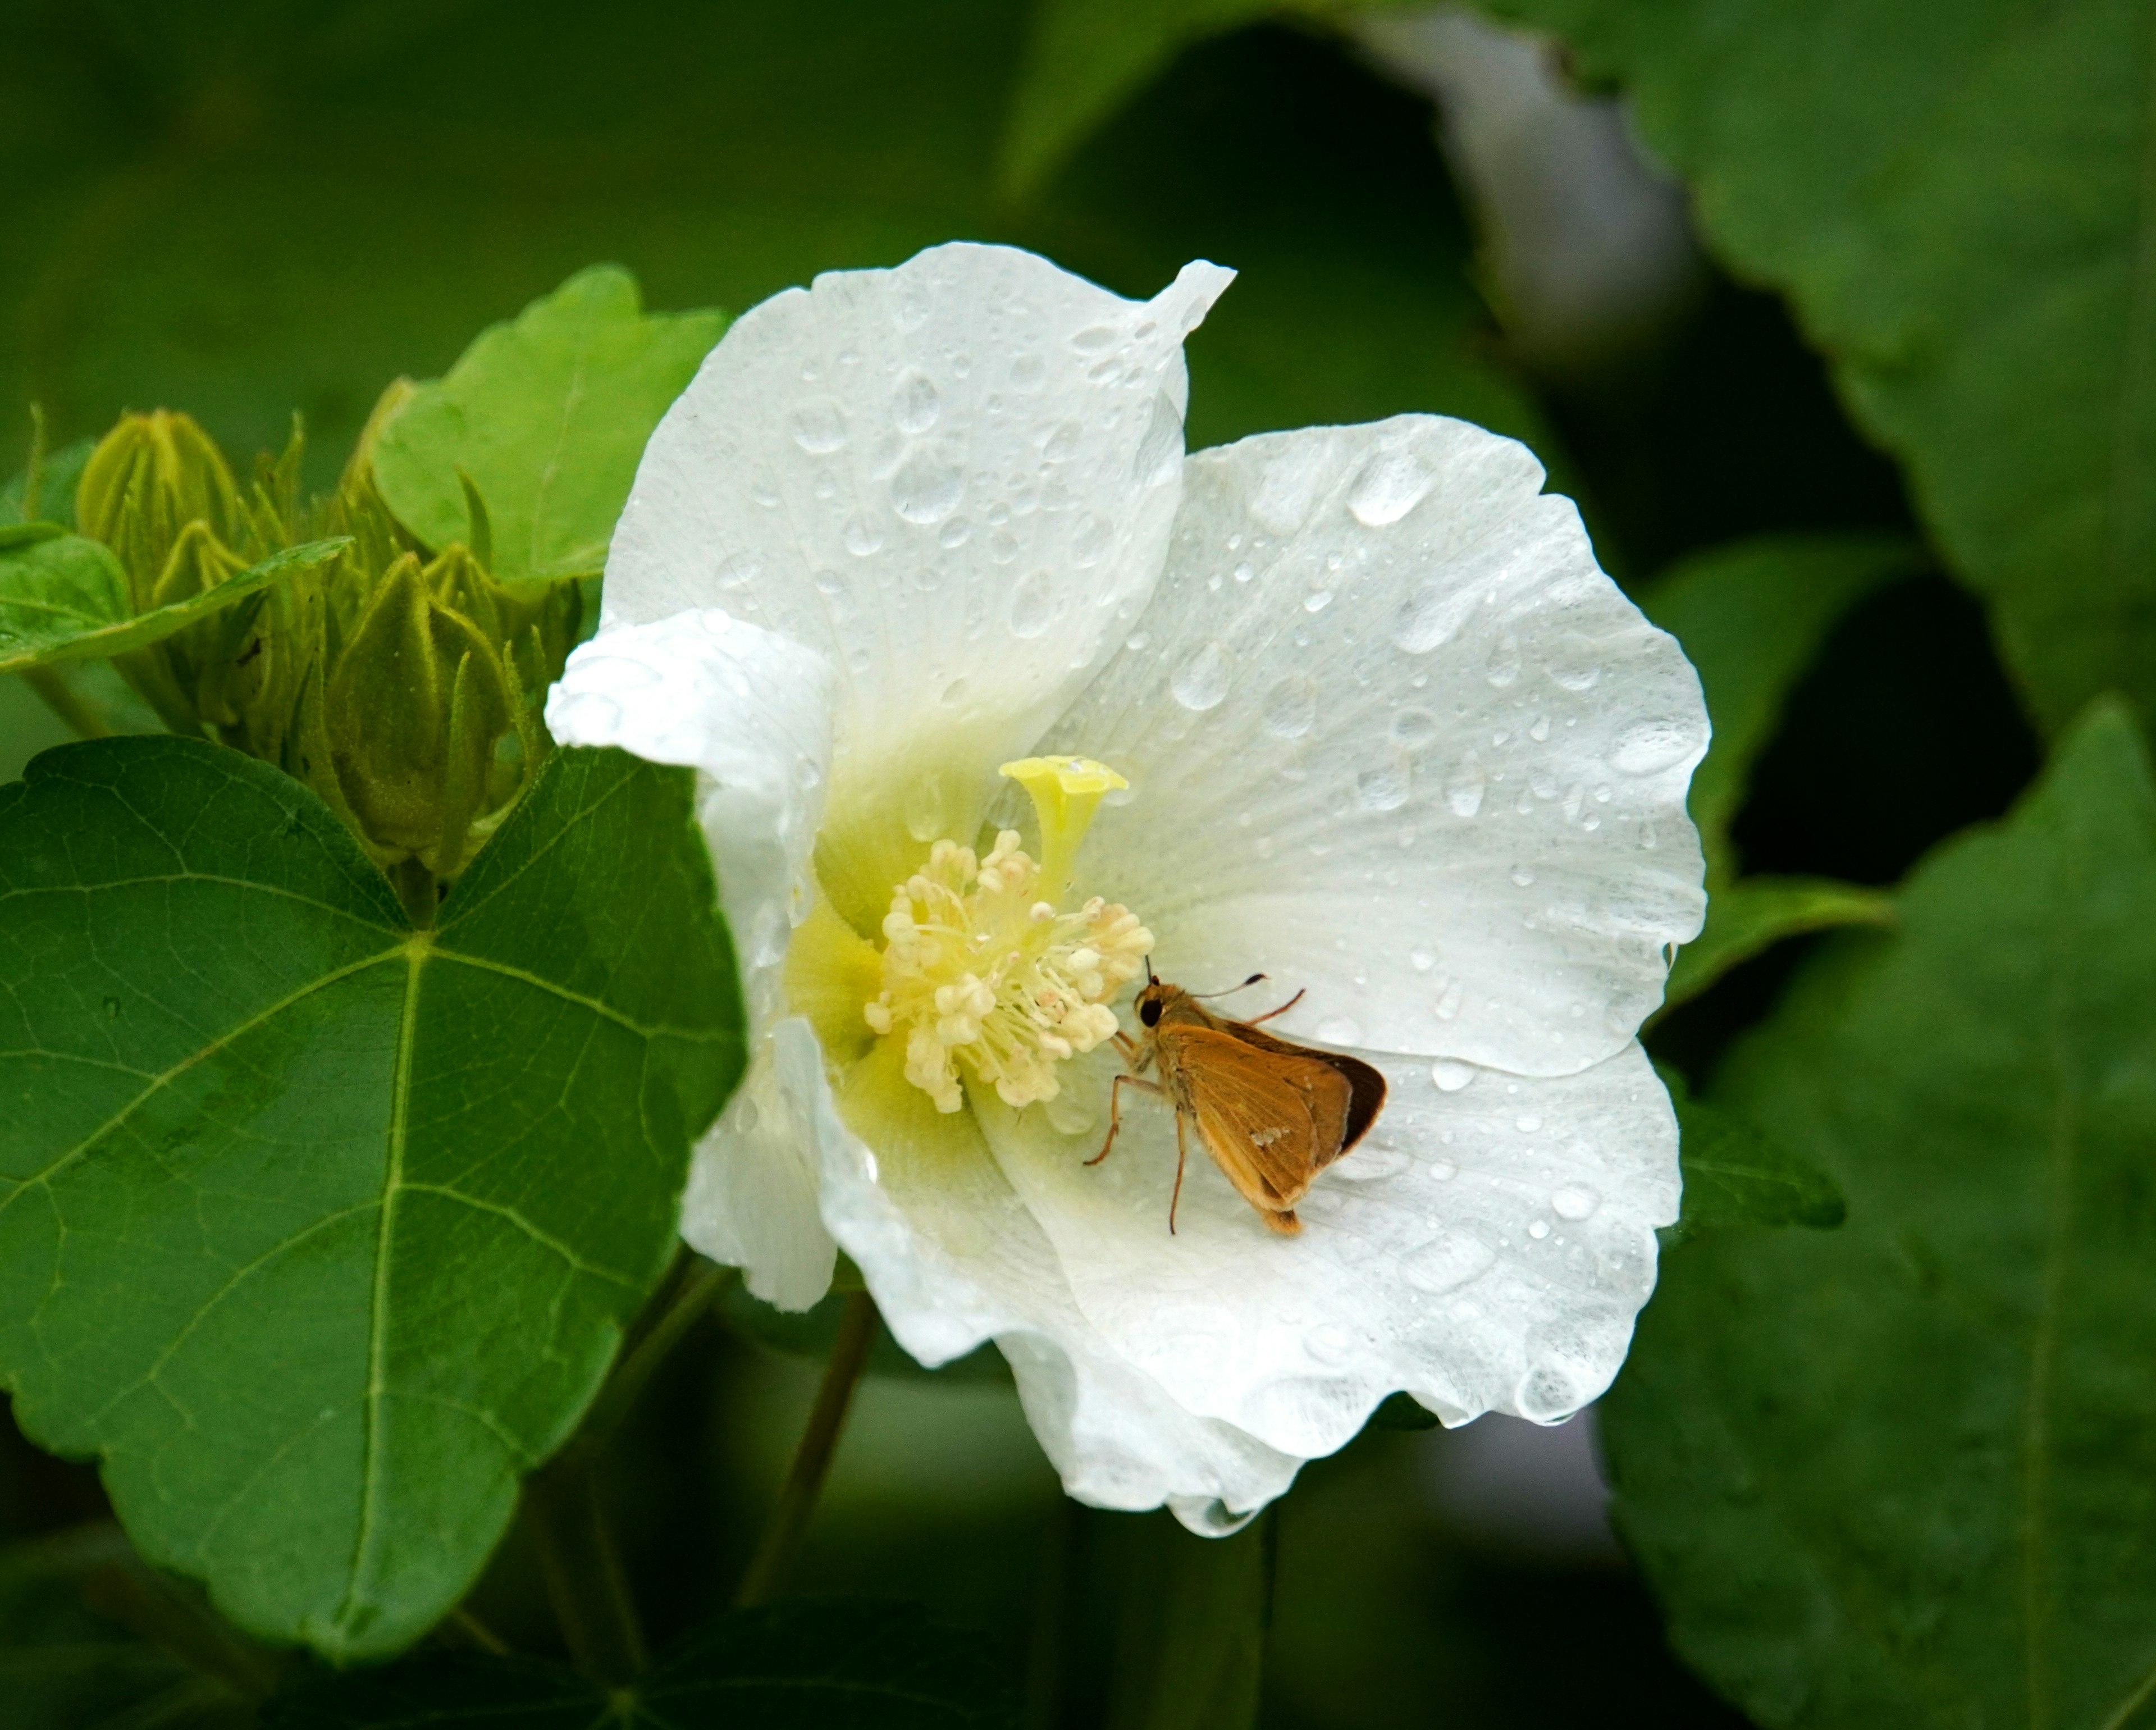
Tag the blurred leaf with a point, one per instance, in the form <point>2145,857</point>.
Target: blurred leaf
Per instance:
<point>1752,617</point>
<point>807,1666</point>
<point>548,417</point>
<point>1737,1174</point>
<point>1321,186</point>
<point>1954,197</point>
<point>56,484</point>
<point>1086,58</point>
<point>320,1230</point>
<point>1900,1474</point>
<point>1190,1627</point>
<point>426,174</point>
<point>1749,917</point>
<point>63,1667</point>
<point>64,598</point>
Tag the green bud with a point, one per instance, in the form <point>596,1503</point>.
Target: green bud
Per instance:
<point>150,478</point>
<point>416,704</point>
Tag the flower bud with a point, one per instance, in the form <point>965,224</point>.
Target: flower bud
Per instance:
<point>149,480</point>
<point>414,707</point>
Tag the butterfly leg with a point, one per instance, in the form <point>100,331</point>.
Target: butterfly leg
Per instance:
<point>1182,1153</point>
<point>1116,1110</point>
<point>1281,1010</point>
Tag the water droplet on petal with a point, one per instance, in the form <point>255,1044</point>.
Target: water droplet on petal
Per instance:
<point>926,489</point>
<point>1452,1259</point>
<point>1522,876</point>
<point>1528,1125</point>
<point>819,426</point>
<point>863,534</point>
<point>1431,616</point>
<point>1329,1343</point>
<point>1451,1073</point>
<point>737,570</point>
<point>1575,1202</point>
<point>1414,728</point>
<point>1539,1229</point>
<point>1504,665</point>
<point>1383,789</point>
<point>955,533</point>
<point>1463,789</point>
<point>1571,663</point>
<point>1094,338</point>
<point>1421,960</point>
<point>1291,707</point>
<point>1032,604</point>
<point>1391,484</point>
<point>924,809</point>
<point>915,404</point>
<point>1062,443</point>
<point>1650,746</point>
<point>1201,682</point>
<point>1339,1030</point>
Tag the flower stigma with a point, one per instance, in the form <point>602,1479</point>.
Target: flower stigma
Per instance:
<point>981,962</point>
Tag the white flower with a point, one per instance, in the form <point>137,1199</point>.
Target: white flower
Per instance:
<point>1390,738</point>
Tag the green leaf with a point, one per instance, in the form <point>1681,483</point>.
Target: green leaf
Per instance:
<point>1899,1475</point>
<point>318,1230</point>
<point>1735,1173</point>
<point>1749,917</point>
<point>1955,199</point>
<point>547,418</point>
<point>820,1666</point>
<point>1752,617</point>
<point>64,598</point>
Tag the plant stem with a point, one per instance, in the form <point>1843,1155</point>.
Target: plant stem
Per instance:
<point>416,889</point>
<point>691,1297</point>
<point>812,1460</point>
<point>60,697</point>
<point>478,1633</point>
<point>583,1574</point>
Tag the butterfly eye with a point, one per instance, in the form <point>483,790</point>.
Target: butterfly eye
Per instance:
<point>1149,1011</point>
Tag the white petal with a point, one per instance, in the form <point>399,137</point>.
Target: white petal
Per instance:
<point>1394,739</point>
<point>953,1260</point>
<point>1485,1248</point>
<point>954,480</point>
<point>750,1203</point>
<point>753,712</point>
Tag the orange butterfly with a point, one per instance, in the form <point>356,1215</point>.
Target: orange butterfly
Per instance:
<point>1272,1114</point>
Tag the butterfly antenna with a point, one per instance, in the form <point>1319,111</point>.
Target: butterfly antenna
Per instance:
<point>1253,979</point>
<point>1150,980</point>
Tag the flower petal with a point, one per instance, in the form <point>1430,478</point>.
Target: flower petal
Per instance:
<point>954,480</point>
<point>953,1260</point>
<point>1395,740</point>
<point>751,1202</point>
<point>1485,1248</point>
<point>752,712</point>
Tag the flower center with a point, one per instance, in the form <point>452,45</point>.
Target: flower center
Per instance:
<point>981,965</point>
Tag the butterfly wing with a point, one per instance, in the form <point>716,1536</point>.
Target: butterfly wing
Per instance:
<point>1366,1085</point>
<point>1270,1118</point>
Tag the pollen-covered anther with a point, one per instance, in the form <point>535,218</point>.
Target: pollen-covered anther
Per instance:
<point>976,967</point>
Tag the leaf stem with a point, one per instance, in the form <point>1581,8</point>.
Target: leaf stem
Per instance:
<point>692,1294</point>
<point>812,1460</point>
<point>62,699</point>
<point>583,1575</point>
